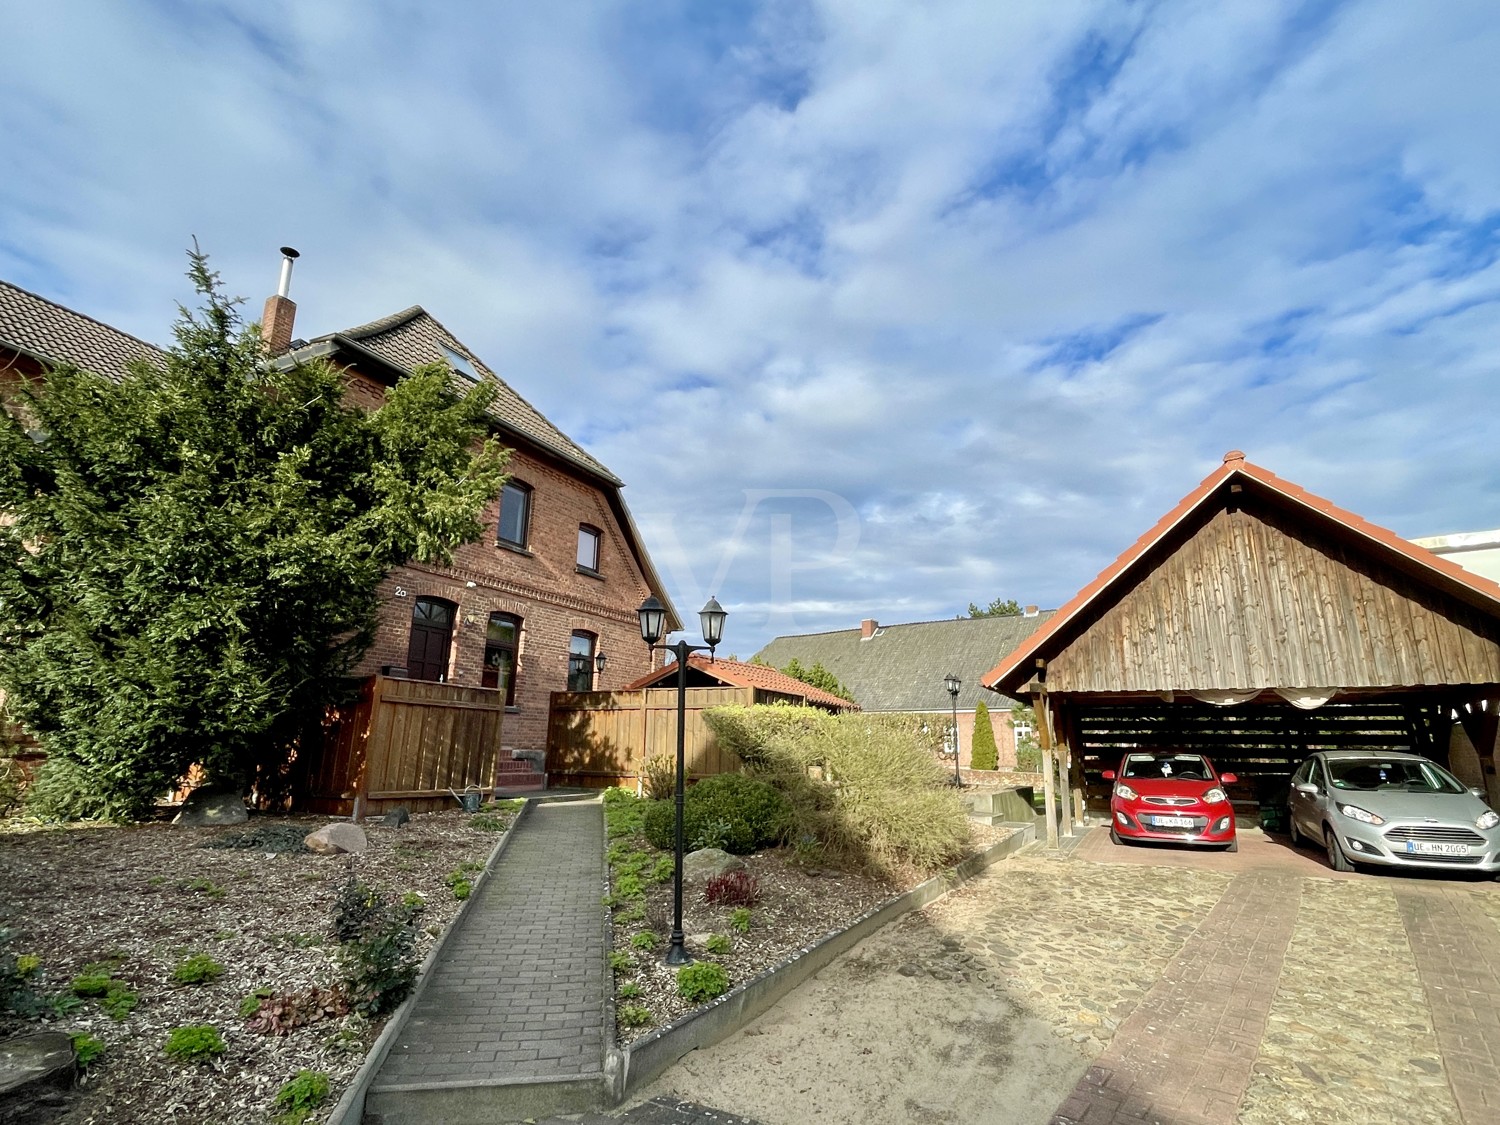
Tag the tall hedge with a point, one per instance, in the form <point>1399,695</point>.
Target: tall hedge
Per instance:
<point>983,754</point>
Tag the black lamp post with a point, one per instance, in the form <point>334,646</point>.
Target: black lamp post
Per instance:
<point>653,622</point>
<point>953,683</point>
<point>600,660</point>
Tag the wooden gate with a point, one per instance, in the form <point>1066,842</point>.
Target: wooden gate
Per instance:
<point>596,739</point>
<point>405,742</point>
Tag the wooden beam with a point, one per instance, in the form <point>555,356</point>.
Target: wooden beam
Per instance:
<point>1049,768</point>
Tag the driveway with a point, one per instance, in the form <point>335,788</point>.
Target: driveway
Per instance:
<point>1121,985</point>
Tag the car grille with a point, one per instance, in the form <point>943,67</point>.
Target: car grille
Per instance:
<point>1174,801</point>
<point>1435,833</point>
<point>1456,859</point>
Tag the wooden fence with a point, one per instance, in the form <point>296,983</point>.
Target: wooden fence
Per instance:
<point>405,742</point>
<point>596,739</point>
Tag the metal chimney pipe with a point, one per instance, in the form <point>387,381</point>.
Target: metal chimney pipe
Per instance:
<point>288,256</point>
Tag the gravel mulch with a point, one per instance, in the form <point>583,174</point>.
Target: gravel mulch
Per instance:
<point>148,896</point>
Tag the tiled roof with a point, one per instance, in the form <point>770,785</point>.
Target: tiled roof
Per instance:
<point>413,337</point>
<point>1478,591</point>
<point>55,334</point>
<point>901,668</point>
<point>739,673</point>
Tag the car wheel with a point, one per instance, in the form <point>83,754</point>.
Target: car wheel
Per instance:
<point>1336,857</point>
<point>1114,835</point>
<point>1294,832</point>
<point>1234,845</point>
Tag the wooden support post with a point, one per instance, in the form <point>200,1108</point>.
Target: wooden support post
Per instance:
<point>1049,767</point>
<point>1064,756</point>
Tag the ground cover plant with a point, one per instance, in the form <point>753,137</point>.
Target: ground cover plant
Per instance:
<point>101,908</point>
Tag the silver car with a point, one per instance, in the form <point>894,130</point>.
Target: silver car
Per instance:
<point>1399,810</point>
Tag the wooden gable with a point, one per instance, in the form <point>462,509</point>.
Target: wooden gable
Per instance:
<point>1256,597</point>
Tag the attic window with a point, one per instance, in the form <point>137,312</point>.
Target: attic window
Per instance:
<point>460,363</point>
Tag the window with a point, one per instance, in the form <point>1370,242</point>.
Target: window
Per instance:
<point>431,635</point>
<point>515,514</point>
<point>460,363</point>
<point>588,548</point>
<point>581,662</point>
<point>501,643</point>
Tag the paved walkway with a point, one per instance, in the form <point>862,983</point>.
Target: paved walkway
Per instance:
<point>519,991</point>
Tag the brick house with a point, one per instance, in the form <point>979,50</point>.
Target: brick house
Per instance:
<point>553,584</point>
<point>900,668</point>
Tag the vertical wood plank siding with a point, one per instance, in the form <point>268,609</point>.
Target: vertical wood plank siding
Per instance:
<point>1251,601</point>
<point>596,738</point>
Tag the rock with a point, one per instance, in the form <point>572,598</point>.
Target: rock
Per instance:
<point>332,839</point>
<point>704,864</point>
<point>30,1064</point>
<point>211,808</point>
<point>397,817</point>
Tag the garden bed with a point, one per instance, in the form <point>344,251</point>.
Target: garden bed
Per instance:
<point>144,899</point>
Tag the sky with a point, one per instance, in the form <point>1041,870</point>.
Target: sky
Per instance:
<point>878,308</point>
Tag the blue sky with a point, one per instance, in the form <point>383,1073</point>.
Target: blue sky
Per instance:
<point>878,308</point>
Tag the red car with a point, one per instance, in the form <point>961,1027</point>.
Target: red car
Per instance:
<point>1171,795</point>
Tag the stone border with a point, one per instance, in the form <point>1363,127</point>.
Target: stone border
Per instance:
<point>629,1068</point>
<point>350,1109</point>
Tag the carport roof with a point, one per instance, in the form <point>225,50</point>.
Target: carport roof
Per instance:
<point>1417,562</point>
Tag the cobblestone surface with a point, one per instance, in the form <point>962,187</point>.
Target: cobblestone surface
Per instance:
<point>1349,1037</point>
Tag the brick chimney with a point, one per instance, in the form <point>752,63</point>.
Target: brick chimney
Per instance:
<point>867,628</point>
<point>1030,611</point>
<point>281,312</point>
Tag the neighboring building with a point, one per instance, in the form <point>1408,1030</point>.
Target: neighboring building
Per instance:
<point>1478,551</point>
<point>554,583</point>
<point>901,668</point>
<point>770,686</point>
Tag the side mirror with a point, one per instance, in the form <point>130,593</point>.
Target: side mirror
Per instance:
<point>1108,775</point>
<point>1478,792</point>
<point>1228,779</point>
<point>1306,788</point>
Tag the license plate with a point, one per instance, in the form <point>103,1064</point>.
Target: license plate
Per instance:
<point>1171,821</point>
<point>1423,848</point>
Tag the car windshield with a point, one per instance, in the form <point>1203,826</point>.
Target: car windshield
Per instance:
<point>1170,767</point>
<point>1398,774</point>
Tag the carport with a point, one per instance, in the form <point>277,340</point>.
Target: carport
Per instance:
<point>1258,623</point>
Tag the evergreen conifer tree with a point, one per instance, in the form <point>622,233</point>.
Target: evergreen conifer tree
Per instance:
<point>984,755</point>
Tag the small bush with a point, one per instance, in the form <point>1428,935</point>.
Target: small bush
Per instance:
<point>733,888</point>
<point>644,940</point>
<point>983,754</point>
<point>633,1015</point>
<point>628,887</point>
<point>119,1001</point>
<point>194,1043</point>
<point>659,778</point>
<point>298,1098</point>
<point>27,964</point>
<point>250,1005</point>
<point>747,813</point>
<point>200,968</point>
<point>663,870</point>
<point>87,1048</point>
<point>702,981</point>
<point>378,964</point>
<point>739,921</point>
<point>94,980</point>
<point>718,944</point>
<point>630,990</point>
<point>620,962</point>
<point>712,834</point>
<point>280,1015</point>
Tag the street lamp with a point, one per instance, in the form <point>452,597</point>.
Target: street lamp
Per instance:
<point>953,683</point>
<point>653,617</point>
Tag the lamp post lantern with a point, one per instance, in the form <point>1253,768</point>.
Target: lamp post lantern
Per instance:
<point>600,660</point>
<point>653,617</point>
<point>953,683</point>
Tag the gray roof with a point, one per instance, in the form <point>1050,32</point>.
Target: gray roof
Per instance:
<point>413,337</point>
<point>901,668</point>
<point>53,334</point>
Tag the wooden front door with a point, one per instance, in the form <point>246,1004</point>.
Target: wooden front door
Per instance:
<point>431,634</point>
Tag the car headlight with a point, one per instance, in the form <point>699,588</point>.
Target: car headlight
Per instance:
<point>1364,816</point>
<point>1214,796</point>
<point>1487,819</point>
<point>1124,792</point>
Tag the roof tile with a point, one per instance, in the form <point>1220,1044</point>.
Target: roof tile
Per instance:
<point>50,332</point>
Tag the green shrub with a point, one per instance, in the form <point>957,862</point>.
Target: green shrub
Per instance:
<point>739,920</point>
<point>715,833</point>
<point>620,962</point>
<point>200,968</point>
<point>378,963</point>
<point>663,870</point>
<point>27,964</point>
<point>702,981</point>
<point>87,1049</point>
<point>630,990</point>
<point>194,1043</point>
<point>298,1098</point>
<point>64,790</point>
<point>353,909</point>
<point>754,814</point>
<point>718,944</point>
<point>659,777</point>
<point>628,887</point>
<point>644,940</point>
<point>119,1001</point>
<point>633,1015</point>
<point>94,980</point>
<point>983,754</point>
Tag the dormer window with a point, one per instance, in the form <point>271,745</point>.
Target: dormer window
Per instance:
<point>588,548</point>
<point>460,363</point>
